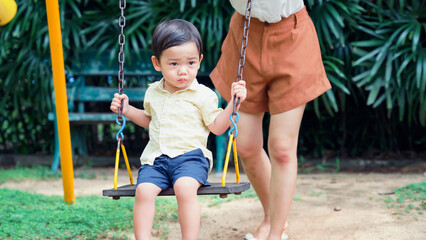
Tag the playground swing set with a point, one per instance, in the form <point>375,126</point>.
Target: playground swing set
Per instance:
<point>7,12</point>
<point>222,189</point>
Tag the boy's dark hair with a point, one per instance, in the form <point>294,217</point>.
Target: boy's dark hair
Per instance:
<point>172,33</point>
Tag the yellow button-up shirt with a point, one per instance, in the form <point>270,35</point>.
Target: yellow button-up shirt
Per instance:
<point>179,120</point>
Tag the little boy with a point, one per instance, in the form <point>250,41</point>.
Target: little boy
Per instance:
<point>179,113</point>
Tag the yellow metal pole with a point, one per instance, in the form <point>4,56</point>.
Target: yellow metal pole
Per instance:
<point>59,84</point>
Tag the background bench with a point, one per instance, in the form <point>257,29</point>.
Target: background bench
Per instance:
<point>94,83</point>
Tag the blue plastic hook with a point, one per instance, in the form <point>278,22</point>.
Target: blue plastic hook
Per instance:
<point>234,124</point>
<point>120,132</point>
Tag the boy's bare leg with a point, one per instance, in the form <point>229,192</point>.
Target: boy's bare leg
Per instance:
<point>144,210</point>
<point>282,146</point>
<point>256,163</point>
<point>188,207</point>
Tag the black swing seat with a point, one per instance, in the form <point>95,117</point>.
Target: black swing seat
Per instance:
<point>214,189</point>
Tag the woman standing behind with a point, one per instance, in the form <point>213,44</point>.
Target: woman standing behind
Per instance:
<point>283,70</point>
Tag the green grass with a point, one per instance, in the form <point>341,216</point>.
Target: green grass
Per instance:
<point>413,191</point>
<point>19,174</point>
<point>35,216</point>
<point>315,193</point>
<point>410,199</point>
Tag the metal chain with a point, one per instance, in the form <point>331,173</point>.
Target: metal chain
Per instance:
<point>121,42</point>
<point>243,50</point>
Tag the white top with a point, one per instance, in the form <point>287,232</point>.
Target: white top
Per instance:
<point>269,10</point>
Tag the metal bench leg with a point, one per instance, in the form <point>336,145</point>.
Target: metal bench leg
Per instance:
<point>56,155</point>
<point>78,140</point>
<point>220,141</point>
<point>220,152</point>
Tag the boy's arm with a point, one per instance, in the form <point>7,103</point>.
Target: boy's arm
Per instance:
<point>137,116</point>
<point>222,121</point>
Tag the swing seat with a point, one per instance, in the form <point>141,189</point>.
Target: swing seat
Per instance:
<point>214,189</point>
<point>222,189</point>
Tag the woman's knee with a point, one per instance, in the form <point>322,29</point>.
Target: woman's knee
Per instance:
<point>247,148</point>
<point>282,153</point>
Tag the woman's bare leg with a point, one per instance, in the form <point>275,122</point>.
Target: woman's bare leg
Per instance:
<point>144,210</point>
<point>282,146</point>
<point>256,163</point>
<point>189,210</point>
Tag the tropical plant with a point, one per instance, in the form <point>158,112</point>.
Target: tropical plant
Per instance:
<point>333,21</point>
<point>377,67</point>
<point>25,69</point>
<point>210,17</point>
<point>373,53</point>
<point>25,83</point>
<point>391,59</point>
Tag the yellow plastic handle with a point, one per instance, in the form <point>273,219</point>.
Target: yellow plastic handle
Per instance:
<point>127,163</point>
<point>228,153</point>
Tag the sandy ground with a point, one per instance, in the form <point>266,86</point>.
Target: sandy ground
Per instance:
<point>342,206</point>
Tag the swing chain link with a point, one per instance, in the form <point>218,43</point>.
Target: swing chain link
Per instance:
<point>121,57</point>
<point>243,49</point>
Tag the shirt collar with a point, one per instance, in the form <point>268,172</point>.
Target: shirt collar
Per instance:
<point>191,87</point>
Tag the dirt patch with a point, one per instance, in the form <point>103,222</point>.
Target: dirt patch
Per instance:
<point>326,206</point>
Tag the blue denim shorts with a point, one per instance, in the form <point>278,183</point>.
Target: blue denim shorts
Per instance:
<point>166,170</point>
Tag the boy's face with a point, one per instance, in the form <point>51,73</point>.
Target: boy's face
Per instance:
<point>179,66</point>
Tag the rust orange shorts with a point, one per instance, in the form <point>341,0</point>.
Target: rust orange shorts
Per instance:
<point>283,67</point>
